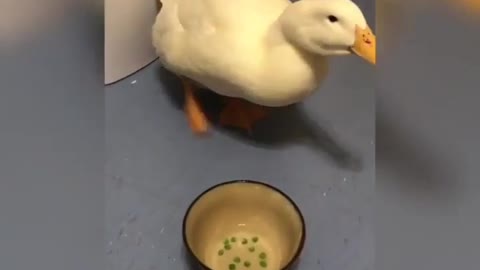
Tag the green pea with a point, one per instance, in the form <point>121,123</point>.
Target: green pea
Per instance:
<point>263,264</point>
<point>226,242</point>
<point>228,247</point>
<point>233,239</point>
<point>232,266</point>
<point>262,255</point>
<point>255,239</point>
<point>246,264</point>
<point>244,241</point>
<point>220,252</point>
<point>236,259</point>
<point>251,249</point>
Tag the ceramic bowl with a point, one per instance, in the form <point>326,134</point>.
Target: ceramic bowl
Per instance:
<point>244,225</point>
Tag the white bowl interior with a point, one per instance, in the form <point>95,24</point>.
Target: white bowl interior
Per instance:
<point>244,224</point>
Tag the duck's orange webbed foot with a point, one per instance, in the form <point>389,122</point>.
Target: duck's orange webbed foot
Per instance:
<point>195,115</point>
<point>242,114</point>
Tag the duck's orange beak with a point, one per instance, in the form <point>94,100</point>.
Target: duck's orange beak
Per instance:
<point>365,44</point>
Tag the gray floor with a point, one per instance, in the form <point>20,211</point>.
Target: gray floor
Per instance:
<point>321,153</point>
<point>52,144</point>
<point>426,189</point>
<point>427,130</point>
<point>426,199</point>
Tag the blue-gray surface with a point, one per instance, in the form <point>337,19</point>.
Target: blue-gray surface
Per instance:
<point>52,145</point>
<point>156,167</point>
<point>321,154</point>
<point>427,158</point>
<point>51,142</point>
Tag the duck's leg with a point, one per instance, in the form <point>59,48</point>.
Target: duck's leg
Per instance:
<point>241,114</point>
<point>196,117</point>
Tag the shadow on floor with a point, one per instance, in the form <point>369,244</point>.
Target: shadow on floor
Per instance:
<point>191,263</point>
<point>411,165</point>
<point>285,126</point>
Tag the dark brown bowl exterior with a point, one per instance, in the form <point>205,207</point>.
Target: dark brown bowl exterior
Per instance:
<point>198,265</point>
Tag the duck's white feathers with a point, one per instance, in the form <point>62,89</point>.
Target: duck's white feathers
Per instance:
<point>223,45</point>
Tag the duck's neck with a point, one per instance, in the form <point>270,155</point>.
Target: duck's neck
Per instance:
<point>283,54</point>
<point>275,36</point>
<point>288,68</point>
<point>281,33</point>
<point>282,30</point>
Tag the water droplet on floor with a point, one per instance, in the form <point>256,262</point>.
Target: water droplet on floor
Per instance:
<point>139,240</point>
<point>132,217</point>
<point>120,232</point>
<point>344,179</point>
<point>131,264</point>
<point>324,194</point>
<point>134,82</point>
<point>118,181</point>
<point>163,229</point>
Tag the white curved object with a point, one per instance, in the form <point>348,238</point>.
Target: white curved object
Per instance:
<point>128,43</point>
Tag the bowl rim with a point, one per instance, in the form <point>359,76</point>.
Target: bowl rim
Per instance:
<point>275,189</point>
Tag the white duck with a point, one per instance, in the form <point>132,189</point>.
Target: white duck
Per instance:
<point>256,52</point>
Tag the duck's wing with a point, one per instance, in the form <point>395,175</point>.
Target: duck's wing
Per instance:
<point>206,16</point>
<point>203,16</point>
<point>212,41</point>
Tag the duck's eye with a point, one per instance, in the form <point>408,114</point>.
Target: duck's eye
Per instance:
<point>332,18</point>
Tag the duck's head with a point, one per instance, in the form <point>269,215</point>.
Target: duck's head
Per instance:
<point>329,28</point>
